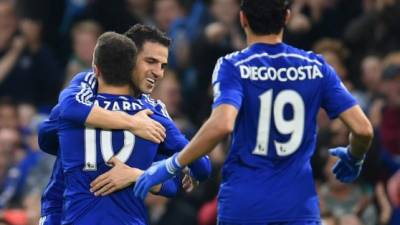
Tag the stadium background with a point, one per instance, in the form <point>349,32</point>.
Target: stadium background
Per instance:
<point>43,43</point>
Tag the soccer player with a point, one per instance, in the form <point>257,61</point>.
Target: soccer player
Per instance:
<point>268,95</point>
<point>151,43</point>
<point>85,150</point>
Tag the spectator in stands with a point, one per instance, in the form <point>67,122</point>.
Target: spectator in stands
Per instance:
<point>169,92</point>
<point>390,119</point>
<point>84,36</point>
<point>342,199</point>
<point>8,114</point>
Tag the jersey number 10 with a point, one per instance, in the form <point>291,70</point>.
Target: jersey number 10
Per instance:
<point>105,147</point>
<point>294,126</point>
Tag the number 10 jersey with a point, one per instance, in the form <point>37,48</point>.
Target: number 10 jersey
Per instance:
<point>85,151</point>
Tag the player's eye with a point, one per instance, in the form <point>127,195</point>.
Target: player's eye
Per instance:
<point>151,61</point>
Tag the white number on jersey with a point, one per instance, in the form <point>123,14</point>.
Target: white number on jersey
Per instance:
<point>105,147</point>
<point>294,126</point>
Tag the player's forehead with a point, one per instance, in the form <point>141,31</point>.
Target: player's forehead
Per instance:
<point>154,50</point>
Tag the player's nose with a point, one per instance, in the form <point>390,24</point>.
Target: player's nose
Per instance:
<point>158,74</point>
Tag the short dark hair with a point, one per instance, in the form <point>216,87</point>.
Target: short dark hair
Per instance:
<point>140,34</point>
<point>115,56</point>
<point>265,16</point>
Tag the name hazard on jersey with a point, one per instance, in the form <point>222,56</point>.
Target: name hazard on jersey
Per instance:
<point>282,74</point>
<point>120,105</point>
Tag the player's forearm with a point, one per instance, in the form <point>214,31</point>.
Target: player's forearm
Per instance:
<point>360,144</point>
<point>135,173</point>
<point>106,119</point>
<point>361,130</point>
<point>209,135</point>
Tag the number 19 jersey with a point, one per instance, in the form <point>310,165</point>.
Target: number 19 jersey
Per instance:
<point>278,91</point>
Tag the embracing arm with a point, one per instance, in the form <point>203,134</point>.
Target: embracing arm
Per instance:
<point>47,132</point>
<point>77,104</point>
<point>122,176</point>
<point>47,137</point>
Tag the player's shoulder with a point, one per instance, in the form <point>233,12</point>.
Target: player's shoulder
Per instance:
<point>86,77</point>
<point>228,63</point>
<point>156,105</point>
<point>235,57</point>
<point>308,55</point>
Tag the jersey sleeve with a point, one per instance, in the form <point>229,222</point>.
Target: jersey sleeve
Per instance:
<point>335,96</point>
<point>174,142</point>
<point>171,186</point>
<point>47,133</point>
<point>76,101</point>
<point>227,87</point>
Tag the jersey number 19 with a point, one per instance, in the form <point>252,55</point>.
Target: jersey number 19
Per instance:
<point>294,126</point>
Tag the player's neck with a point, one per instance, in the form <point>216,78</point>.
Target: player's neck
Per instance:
<point>114,90</point>
<point>268,39</point>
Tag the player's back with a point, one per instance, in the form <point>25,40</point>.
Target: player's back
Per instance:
<point>85,150</point>
<point>278,90</point>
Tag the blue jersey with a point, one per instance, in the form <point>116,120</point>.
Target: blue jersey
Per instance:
<point>48,141</point>
<point>85,150</point>
<point>278,91</point>
<point>81,89</point>
<point>78,100</point>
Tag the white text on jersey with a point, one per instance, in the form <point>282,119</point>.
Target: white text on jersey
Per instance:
<point>282,74</point>
<point>120,105</point>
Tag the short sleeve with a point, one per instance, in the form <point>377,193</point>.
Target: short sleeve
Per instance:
<point>335,97</point>
<point>175,141</point>
<point>76,101</point>
<point>227,87</point>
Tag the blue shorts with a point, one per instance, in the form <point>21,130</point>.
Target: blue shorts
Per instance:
<point>274,223</point>
<point>51,219</point>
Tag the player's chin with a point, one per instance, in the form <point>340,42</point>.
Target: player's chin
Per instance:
<point>148,89</point>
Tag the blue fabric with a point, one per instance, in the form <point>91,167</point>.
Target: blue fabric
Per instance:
<point>51,219</point>
<point>170,187</point>
<point>84,152</point>
<point>76,101</point>
<point>156,174</point>
<point>278,91</point>
<point>81,93</point>
<point>347,168</point>
<point>47,133</point>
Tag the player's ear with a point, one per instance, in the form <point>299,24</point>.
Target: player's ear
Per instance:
<point>243,20</point>
<point>96,70</point>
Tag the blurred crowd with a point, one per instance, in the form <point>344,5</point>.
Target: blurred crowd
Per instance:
<point>43,43</point>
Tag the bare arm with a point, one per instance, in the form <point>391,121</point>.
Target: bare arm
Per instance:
<point>361,130</point>
<point>218,126</point>
<point>76,104</point>
<point>139,124</point>
<point>119,177</point>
